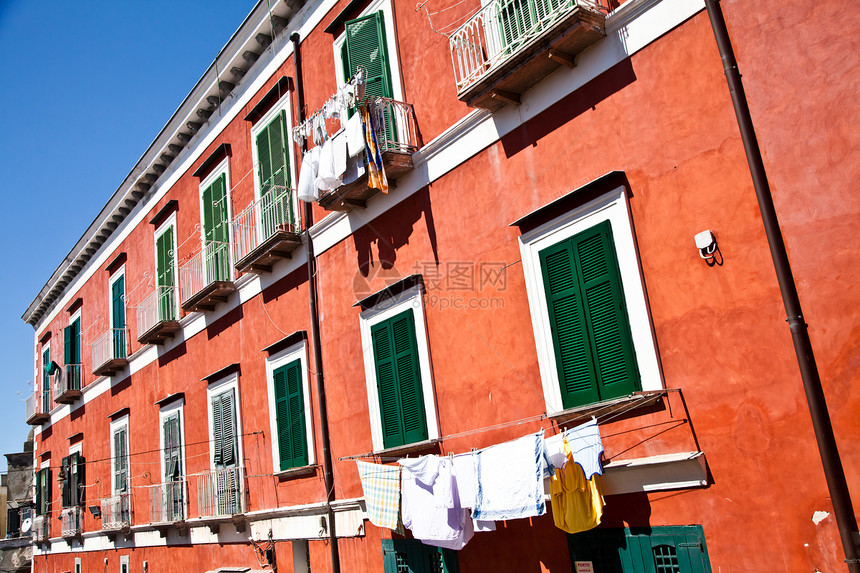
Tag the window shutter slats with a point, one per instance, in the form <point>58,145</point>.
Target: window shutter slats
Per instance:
<point>366,47</point>
<point>295,397</point>
<point>229,441</point>
<point>68,336</point>
<point>80,480</point>
<point>217,431</point>
<point>165,274</point>
<point>67,483</point>
<point>264,160</point>
<point>282,418</point>
<point>76,341</point>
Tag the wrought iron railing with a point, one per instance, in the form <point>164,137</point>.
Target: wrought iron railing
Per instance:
<point>396,129</point>
<point>111,344</point>
<point>210,264</point>
<point>499,30</point>
<point>221,492</point>
<point>69,380</point>
<point>72,521</point>
<point>275,211</point>
<point>167,501</point>
<point>116,511</point>
<point>41,528</point>
<point>35,404</point>
<point>158,306</point>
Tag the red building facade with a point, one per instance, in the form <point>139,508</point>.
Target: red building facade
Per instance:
<point>541,157</point>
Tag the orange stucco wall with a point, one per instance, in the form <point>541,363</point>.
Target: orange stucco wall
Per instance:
<point>664,118</point>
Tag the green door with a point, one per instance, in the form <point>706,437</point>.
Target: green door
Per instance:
<point>46,381</point>
<point>118,316</point>
<point>667,549</point>
<point>273,172</point>
<point>165,279</point>
<point>216,255</point>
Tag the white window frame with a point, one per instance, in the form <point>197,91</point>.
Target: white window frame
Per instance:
<point>612,207</point>
<point>123,564</point>
<point>116,425</point>
<point>170,222</point>
<point>163,412</point>
<point>390,39</point>
<point>120,272</point>
<point>298,351</point>
<point>223,167</point>
<point>410,299</point>
<point>77,316</point>
<point>217,388</point>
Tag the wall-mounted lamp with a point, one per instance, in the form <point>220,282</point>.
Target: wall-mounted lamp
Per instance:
<point>96,511</point>
<point>707,244</point>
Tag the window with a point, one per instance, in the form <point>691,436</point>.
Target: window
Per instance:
<point>165,273</point>
<point>591,324</point>
<point>120,477</point>
<point>117,313</point>
<point>224,438</point>
<point>412,556</point>
<point>214,209</point>
<point>73,485</point>
<point>43,491</point>
<point>123,564</point>
<point>397,368</point>
<point>290,411</point>
<point>226,482</point>
<point>368,41</point>
<point>172,464</point>
<point>72,353</point>
<point>77,565</point>
<point>272,152</point>
<point>46,378</point>
<point>679,549</point>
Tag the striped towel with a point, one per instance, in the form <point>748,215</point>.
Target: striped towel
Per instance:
<point>381,485</point>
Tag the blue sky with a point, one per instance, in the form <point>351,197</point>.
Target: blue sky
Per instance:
<point>87,87</point>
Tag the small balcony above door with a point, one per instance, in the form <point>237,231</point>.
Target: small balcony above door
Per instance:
<point>68,386</point>
<point>157,318</point>
<point>267,231</point>
<point>508,46</point>
<point>110,352</point>
<point>204,280</point>
<point>36,414</point>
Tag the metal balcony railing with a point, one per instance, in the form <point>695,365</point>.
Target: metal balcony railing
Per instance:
<point>116,511</point>
<point>69,382</point>
<point>221,492</point>
<point>210,264</point>
<point>36,408</point>
<point>499,30</point>
<point>159,306</point>
<point>275,211</point>
<point>396,130</point>
<point>111,345</point>
<point>72,521</point>
<point>167,502</point>
<point>41,528</point>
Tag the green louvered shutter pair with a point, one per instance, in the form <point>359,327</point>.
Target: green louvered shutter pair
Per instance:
<point>216,235</point>
<point>120,461</point>
<point>273,169</point>
<point>661,549</point>
<point>290,416</point>
<point>43,491</point>
<point>72,354</point>
<point>398,377</point>
<point>591,332</point>
<point>173,498</point>
<point>225,440</point>
<point>72,489</point>
<point>46,381</point>
<point>165,279</point>
<point>118,325</point>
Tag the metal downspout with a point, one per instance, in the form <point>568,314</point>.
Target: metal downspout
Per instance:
<point>833,470</point>
<point>315,331</point>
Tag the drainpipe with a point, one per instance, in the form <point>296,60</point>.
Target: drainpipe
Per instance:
<point>315,330</point>
<point>833,470</point>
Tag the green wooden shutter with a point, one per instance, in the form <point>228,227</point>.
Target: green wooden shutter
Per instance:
<point>217,430</point>
<point>46,381</point>
<point>273,162</point>
<point>366,46</point>
<point>68,345</point>
<point>264,160</point>
<point>164,271</point>
<point>118,307</point>
<point>410,555</point>
<point>591,332</point>
<point>215,229</point>
<point>290,416</point>
<point>224,430</point>
<point>398,376</point>
<point>79,484</point>
<point>120,444</point>
<point>172,447</point>
<point>661,549</point>
<point>76,341</point>
<point>66,490</point>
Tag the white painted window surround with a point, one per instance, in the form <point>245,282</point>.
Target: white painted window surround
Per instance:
<point>298,351</point>
<point>284,104</point>
<point>223,168</point>
<point>410,299</point>
<point>177,406</point>
<point>229,383</point>
<point>612,207</point>
<point>167,226</point>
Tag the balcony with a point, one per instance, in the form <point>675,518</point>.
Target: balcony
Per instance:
<point>157,317</point>
<point>110,352</point>
<point>397,135</point>
<point>116,512</point>
<point>509,46</point>
<point>167,502</point>
<point>36,413</point>
<point>204,280</point>
<point>267,231</point>
<point>72,521</point>
<point>221,492</point>
<point>68,386</point>
<point>41,528</point>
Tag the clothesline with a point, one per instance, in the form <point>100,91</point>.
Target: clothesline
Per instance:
<point>347,96</point>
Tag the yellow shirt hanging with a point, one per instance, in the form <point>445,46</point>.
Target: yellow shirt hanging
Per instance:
<point>577,504</point>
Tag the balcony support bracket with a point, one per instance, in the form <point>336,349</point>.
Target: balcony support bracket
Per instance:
<point>561,58</point>
<point>506,97</point>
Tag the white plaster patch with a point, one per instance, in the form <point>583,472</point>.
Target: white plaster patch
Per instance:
<point>819,516</point>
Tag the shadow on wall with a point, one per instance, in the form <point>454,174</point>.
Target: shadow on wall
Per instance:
<point>566,109</point>
<point>392,230</point>
<point>290,282</point>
